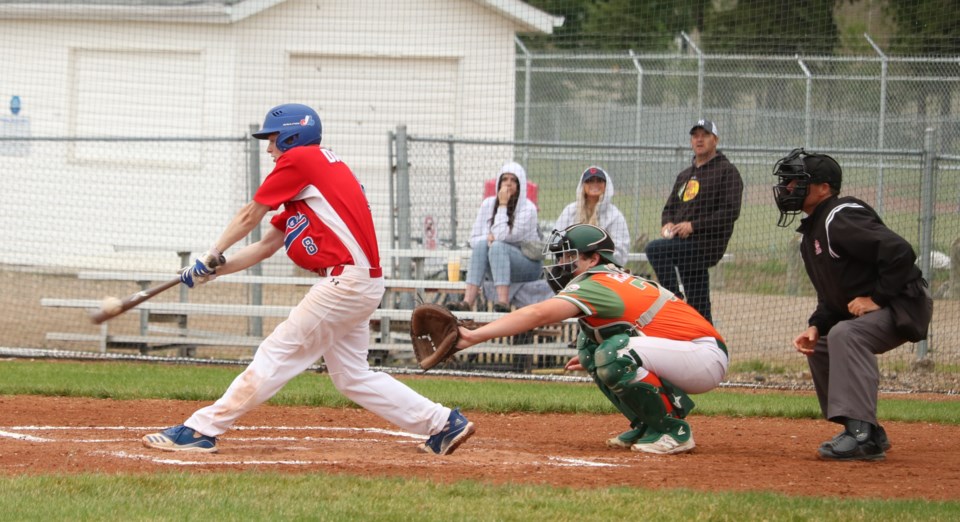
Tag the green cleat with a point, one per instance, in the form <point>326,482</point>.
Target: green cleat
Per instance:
<point>626,439</point>
<point>678,440</point>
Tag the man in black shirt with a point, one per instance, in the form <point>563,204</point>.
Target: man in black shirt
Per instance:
<point>697,220</point>
<point>871,298</point>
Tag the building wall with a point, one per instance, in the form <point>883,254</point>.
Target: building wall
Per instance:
<point>440,67</point>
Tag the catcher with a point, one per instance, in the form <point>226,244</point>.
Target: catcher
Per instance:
<point>645,349</point>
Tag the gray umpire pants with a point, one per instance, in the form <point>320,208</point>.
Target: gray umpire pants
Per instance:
<point>844,366</point>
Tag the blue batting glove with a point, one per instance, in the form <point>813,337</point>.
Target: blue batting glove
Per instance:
<point>203,269</point>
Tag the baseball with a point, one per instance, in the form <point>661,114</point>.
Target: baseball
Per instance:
<point>667,233</point>
<point>111,305</point>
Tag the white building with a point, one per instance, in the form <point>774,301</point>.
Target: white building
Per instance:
<point>186,68</point>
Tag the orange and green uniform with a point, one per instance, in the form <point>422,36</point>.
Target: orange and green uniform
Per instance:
<point>635,335</point>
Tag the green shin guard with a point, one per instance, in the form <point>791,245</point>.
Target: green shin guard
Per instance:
<point>627,412</point>
<point>681,402</point>
<point>586,351</point>
<point>644,400</point>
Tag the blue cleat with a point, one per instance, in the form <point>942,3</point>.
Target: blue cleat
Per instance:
<point>181,438</point>
<point>457,430</point>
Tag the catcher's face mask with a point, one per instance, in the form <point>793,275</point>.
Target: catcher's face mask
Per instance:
<point>791,189</point>
<point>560,260</point>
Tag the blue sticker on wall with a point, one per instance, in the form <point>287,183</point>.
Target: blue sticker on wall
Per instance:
<point>15,105</point>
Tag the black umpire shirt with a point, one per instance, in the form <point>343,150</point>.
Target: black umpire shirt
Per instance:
<point>848,252</point>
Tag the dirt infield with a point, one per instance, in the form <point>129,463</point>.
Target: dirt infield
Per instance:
<point>76,435</point>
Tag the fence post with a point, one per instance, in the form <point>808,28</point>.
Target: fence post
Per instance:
<point>254,324</point>
<point>639,110</point>
<point>883,116</point>
<point>527,64</point>
<point>794,266</point>
<point>391,180</point>
<point>403,200</point>
<point>807,103</point>
<point>926,215</point>
<point>953,287</point>
<point>700,68</point>
<point>451,155</point>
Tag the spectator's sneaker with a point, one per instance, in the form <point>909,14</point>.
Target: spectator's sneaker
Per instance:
<point>501,308</point>
<point>678,440</point>
<point>181,438</point>
<point>882,439</point>
<point>460,306</point>
<point>859,441</point>
<point>626,439</point>
<point>457,430</point>
<point>523,338</point>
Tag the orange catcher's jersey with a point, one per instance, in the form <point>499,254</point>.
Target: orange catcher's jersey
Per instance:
<point>608,298</point>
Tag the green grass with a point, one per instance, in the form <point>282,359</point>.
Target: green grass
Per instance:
<point>255,495</point>
<point>127,381</point>
<point>273,496</point>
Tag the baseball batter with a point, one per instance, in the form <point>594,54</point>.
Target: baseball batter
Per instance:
<point>644,348</point>
<point>326,227</point>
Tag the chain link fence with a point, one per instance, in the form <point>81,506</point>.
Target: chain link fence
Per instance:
<point>144,204</point>
<point>762,297</point>
<point>762,101</point>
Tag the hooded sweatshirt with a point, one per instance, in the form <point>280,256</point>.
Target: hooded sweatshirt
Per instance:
<point>609,218</point>
<point>525,220</point>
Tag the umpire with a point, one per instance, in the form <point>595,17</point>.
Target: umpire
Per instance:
<point>871,298</point>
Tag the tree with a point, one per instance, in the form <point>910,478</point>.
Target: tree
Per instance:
<point>651,25</point>
<point>927,27</point>
<point>648,25</point>
<point>771,26</point>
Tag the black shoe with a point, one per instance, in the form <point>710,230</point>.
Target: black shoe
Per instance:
<point>500,307</point>
<point>461,306</point>
<point>859,441</point>
<point>882,439</point>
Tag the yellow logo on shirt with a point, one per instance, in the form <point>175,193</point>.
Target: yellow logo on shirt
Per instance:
<point>690,190</point>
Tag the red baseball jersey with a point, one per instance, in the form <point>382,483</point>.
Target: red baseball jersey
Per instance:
<point>326,218</point>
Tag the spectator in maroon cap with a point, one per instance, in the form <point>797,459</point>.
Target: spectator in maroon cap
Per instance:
<point>594,206</point>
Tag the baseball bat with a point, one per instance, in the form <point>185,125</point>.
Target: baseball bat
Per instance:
<point>105,313</point>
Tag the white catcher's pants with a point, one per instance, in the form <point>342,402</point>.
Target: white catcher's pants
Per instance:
<point>695,366</point>
<point>332,321</point>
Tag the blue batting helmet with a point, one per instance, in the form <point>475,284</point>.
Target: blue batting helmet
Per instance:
<point>296,124</point>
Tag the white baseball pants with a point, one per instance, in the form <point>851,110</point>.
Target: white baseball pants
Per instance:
<point>695,366</point>
<point>332,321</point>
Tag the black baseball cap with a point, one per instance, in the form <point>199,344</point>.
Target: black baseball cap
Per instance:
<point>706,125</point>
<point>593,172</point>
<point>823,169</point>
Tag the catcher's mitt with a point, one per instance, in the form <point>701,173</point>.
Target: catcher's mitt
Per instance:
<point>434,334</point>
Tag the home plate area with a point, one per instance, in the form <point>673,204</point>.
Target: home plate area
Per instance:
<point>67,435</point>
<point>289,446</point>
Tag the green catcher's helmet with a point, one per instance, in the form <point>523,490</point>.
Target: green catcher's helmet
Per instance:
<point>565,246</point>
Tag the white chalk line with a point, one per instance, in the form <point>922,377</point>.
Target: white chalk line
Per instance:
<point>571,462</point>
<point>180,462</point>
<point>392,433</point>
<point>378,431</point>
<point>551,460</point>
<point>28,438</point>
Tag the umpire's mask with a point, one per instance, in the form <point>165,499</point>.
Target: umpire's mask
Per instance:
<point>795,172</point>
